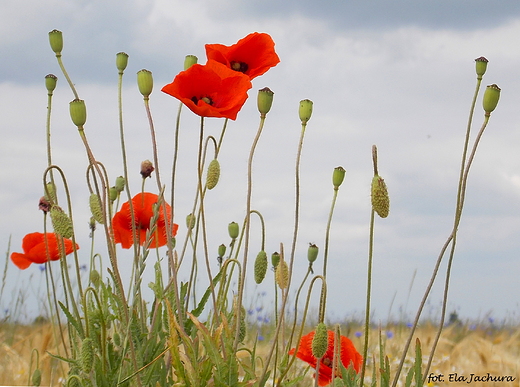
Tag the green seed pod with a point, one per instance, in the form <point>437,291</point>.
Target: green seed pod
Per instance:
<point>56,41</point>
<point>78,112</point>
<point>213,174</point>
<point>145,82</point>
<point>338,176</point>
<point>275,259</point>
<point>96,208</point>
<point>50,83</point>
<point>265,101</point>
<point>120,184</point>
<point>221,250</point>
<point>190,221</point>
<point>312,252</point>
<point>490,99</point>
<point>189,61</point>
<point>260,266</point>
<point>61,222</point>
<point>233,230</point>
<point>380,198</point>
<point>305,110</point>
<point>36,377</point>
<point>282,274</point>
<point>481,66</point>
<point>121,61</point>
<point>87,355</point>
<point>320,341</point>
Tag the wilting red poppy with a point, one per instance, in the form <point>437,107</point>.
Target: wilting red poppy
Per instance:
<point>210,90</point>
<point>252,55</point>
<point>143,205</point>
<point>349,355</point>
<point>34,250</point>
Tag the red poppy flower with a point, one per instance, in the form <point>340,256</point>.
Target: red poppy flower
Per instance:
<point>143,205</point>
<point>349,355</point>
<point>252,55</point>
<point>34,250</point>
<point>210,90</point>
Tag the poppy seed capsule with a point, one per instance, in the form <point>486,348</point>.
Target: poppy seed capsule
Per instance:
<point>56,41</point>
<point>189,61</point>
<point>320,341</point>
<point>96,208</point>
<point>78,112</point>
<point>312,252</point>
<point>490,99</point>
<point>305,110</point>
<point>481,66</point>
<point>275,259</point>
<point>121,61</point>
<point>87,355</point>
<point>233,230</point>
<point>145,82</point>
<point>61,222</point>
<point>338,176</point>
<point>50,82</point>
<point>221,250</point>
<point>213,174</point>
<point>380,198</point>
<point>265,101</point>
<point>260,266</point>
<point>282,274</point>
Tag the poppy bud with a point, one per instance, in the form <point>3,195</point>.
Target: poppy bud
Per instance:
<point>275,259</point>
<point>37,377</point>
<point>260,266</point>
<point>121,61</point>
<point>78,112</point>
<point>95,278</point>
<point>337,177</point>
<point>380,198</point>
<point>305,110</point>
<point>242,323</point>
<point>320,341</point>
<point>61,222</point>
<point>221,250</point>
<point>145,82</point>
<point>92,224</point>
<point>233,230</point>
<point>312,252</point>
<point>190,221</point>
<point>490,99</point>
<point>113,194</point>
<point>117,338</point>
<point>50,82</point>
<point>87,355</point>
<point>146,169</point>
<point>44,204</point>
<point>265,101</point>
<point>213,174</point>
<point>189,61</point>
<point>96,208</point>
<point>120,184</point>
<point>56,41</point>
<point>282,274</point>
<point>481,66</point>
<point>51,190</point>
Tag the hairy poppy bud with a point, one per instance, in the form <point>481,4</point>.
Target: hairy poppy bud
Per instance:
<point>490,99</point>
<point>380,198</point>
<point>338,176</point>
<point>305,110</point>
<point>190,221</point>
<point>213,174</point>
<point>221,250</point>
<point>96,208</point>
<point>61,222</point>
<point>145,82</point>
<point>260,266</point>
<point>146,169</point>
<point>87,355</point>
<point>120,184</point>
<point>113,194</point>
<point>275,259</point>
<point>78,112</point>
<point>50,82</point>
<point>320,341</point>
<point>233,230</point>
<point>50,191</point>
<point>481,66</point>
<point>95,278</point>
<point>265,101</point>
<point>56,41</point>
<point>312,252</point>
<point>189,61</point>
<point>282,274</point>
<point>121,61</point>
<point>36,377</point>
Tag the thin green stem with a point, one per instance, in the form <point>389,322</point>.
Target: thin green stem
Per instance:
<point>62,67</point>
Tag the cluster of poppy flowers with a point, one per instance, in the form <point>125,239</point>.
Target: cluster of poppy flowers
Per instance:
<point>219,88</point>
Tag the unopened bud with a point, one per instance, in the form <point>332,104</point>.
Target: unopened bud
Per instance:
<point>189,61</point>
<point>50,82</point>
<point>36,377</point>
<point>190,221</point>
<point>282,274</point>
<point>275,259</point>
<point>121,61</point>
<point>61,222</point>
<point>265,101</point>
<point>96,208</point>
<point>221,250</point>
<point>380,198</point>
<point>260,266</point>
<point>233,230</point>
<point>481,66</point>
<point>146,169</point>
<point>490,99</point>
<point>78,112</point>
<point>95,278</point>
<point>338,176</point>
<point>87,355</point>
<point>312,252</point>
<point>213,174</point>
<point>113,194</point>
<point>320,341</point>
<point>120,183</point>
<point>56,41</point>
<point>50,192</point>
<point>145,82</point>
<point>305,110</point>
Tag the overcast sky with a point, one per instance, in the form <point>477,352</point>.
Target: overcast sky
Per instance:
<point>398,74</point>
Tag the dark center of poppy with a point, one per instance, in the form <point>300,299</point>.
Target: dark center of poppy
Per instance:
<point>326,361</point>
<point>239,66</point>
<point>208,100</point>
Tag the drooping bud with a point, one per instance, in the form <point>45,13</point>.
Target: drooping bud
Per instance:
<point>87,355</point>
<point>56,41</point>
<point>189,61</point>
<point>275,259</point>
<point>213,174</point>
<point>78,112</point>
<point>36,377</point>
<point>305,110</point>
<point>95,278</point>
<point>337,177</point>
<point>96,208</point>
<point>221,250</point>
<point>61,222</point>
<point>146,169</point>
<point>312,252</point>
<point>121,61</point>
<point>145,82</point>
<point>50,192</point>
<point>50,83</point>
<point>320,341</point>
<point>265,101</point>
<point>233,230</point>
<point>490,99</point>
<point>282,274</point>
<point>380,198</point>
<point>120,183</point>
<point>481,66</point>
<point>190,221</point>
<point>260,266</point>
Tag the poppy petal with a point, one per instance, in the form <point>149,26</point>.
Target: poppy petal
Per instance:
<point>20,260</point>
